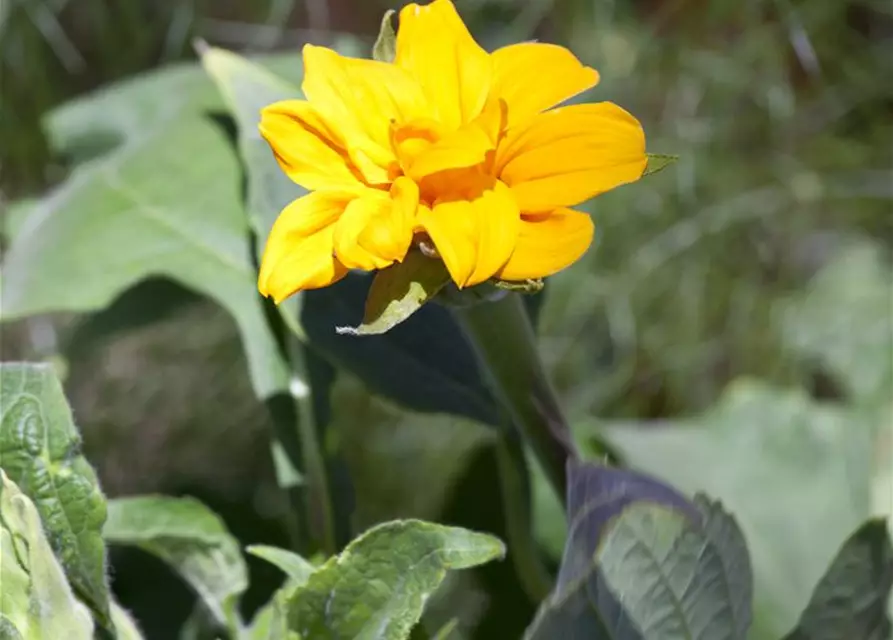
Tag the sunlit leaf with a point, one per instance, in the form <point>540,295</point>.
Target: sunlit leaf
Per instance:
<point>37,601</point>
<point>192,540</point>
<point>399,291</point>
<point>40,449</point>
<point>377,587</point>
<point>294,566</point>
<point>156,194</point>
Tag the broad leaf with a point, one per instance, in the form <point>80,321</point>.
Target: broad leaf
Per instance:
<point>769,454</point>
<point>843,321</point>
<point>192,540</point>
<point>37,601</point>
<point>377,587</point>
<point>294,566</point>
<point>670,577</point>
<point>653,572</point>
<point>399,291</point>
<point>851,598</point>
<point>40,451</point>
<point>158,195</point>
<point>247,88</point>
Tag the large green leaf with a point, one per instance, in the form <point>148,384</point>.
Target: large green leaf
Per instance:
<point>843,321</point>
<point>40,451</point>
<point>192,539</point>
<point>157,194</point>
<point>789,469</point>
<point>377,587</point>
<point>37,601</point>
<point>850,599</point>
<point>642,562</point>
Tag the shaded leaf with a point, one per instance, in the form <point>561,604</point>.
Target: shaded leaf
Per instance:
<point>37,601</point>
<point>658,162</point>
<point>378,586</point>
<point>399,291</point>
<point>851,598</point>
<point>294,566</point>
<point>722,532</point>
<point>40,449</point>
<point>768,454</point>
<point>385,47</point>
<point>192,539</point>
<point>161,198</point>
<point>582,605</point>
<point>424,363</point>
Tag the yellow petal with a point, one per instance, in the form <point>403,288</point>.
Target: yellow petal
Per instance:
<point>474,237</point>
<point>547,244</point>
<point>388,234</point>
<point>309,264</point>
<point>360,99</point>
<point>565,156</point>
<point>434,45</point>
<point>534,76</point>
<point>307,151</point>
<point>298,221</point>
<point>463,148</point>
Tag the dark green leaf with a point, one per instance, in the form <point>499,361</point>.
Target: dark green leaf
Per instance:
<point>377,587</point>
<point>850,600</point>
<point>385,47</point>
<point>399,291</point>
<point>37,601</point>
<point>40,449</point>
<point>294,566</point>
<point>658,162</point>
<point>767,454</point>
<point>163,198</point>
<point>192,539</point>
<point>582,605</point>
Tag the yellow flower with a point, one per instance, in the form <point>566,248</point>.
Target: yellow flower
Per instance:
<point>449,145</point>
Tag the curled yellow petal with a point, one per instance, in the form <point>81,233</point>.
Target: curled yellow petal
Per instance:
<point>434,45</point>
<point>300,262</point>
<point>474,236</point>
<point>388,234</point>
<point>534,76</point>
<point>307,151</point>
<point>360,98</point>
<point>547,244</point>
<point>300,220</point>
<point>563,157</point>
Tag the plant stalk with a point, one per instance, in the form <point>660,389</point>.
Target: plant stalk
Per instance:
<point>503,338</point>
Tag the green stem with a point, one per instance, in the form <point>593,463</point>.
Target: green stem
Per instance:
<point>514,479</point>
<point>319,503</point>
<point>501,334</point>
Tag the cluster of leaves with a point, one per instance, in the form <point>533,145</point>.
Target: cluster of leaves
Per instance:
<point>155,190</point>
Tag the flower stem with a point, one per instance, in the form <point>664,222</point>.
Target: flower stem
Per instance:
<point>504,340</point>
<point>514,479</point>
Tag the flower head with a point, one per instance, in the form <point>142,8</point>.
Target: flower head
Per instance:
<point>446,145</point>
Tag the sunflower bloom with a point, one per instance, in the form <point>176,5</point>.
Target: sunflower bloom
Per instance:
<point>448,145</point>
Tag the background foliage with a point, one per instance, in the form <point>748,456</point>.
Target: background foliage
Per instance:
<point>731,332</point>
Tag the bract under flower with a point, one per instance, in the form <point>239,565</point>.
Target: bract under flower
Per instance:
<point>449,145</point>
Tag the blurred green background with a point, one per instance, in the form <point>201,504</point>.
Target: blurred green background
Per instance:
<point>763,253</point>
